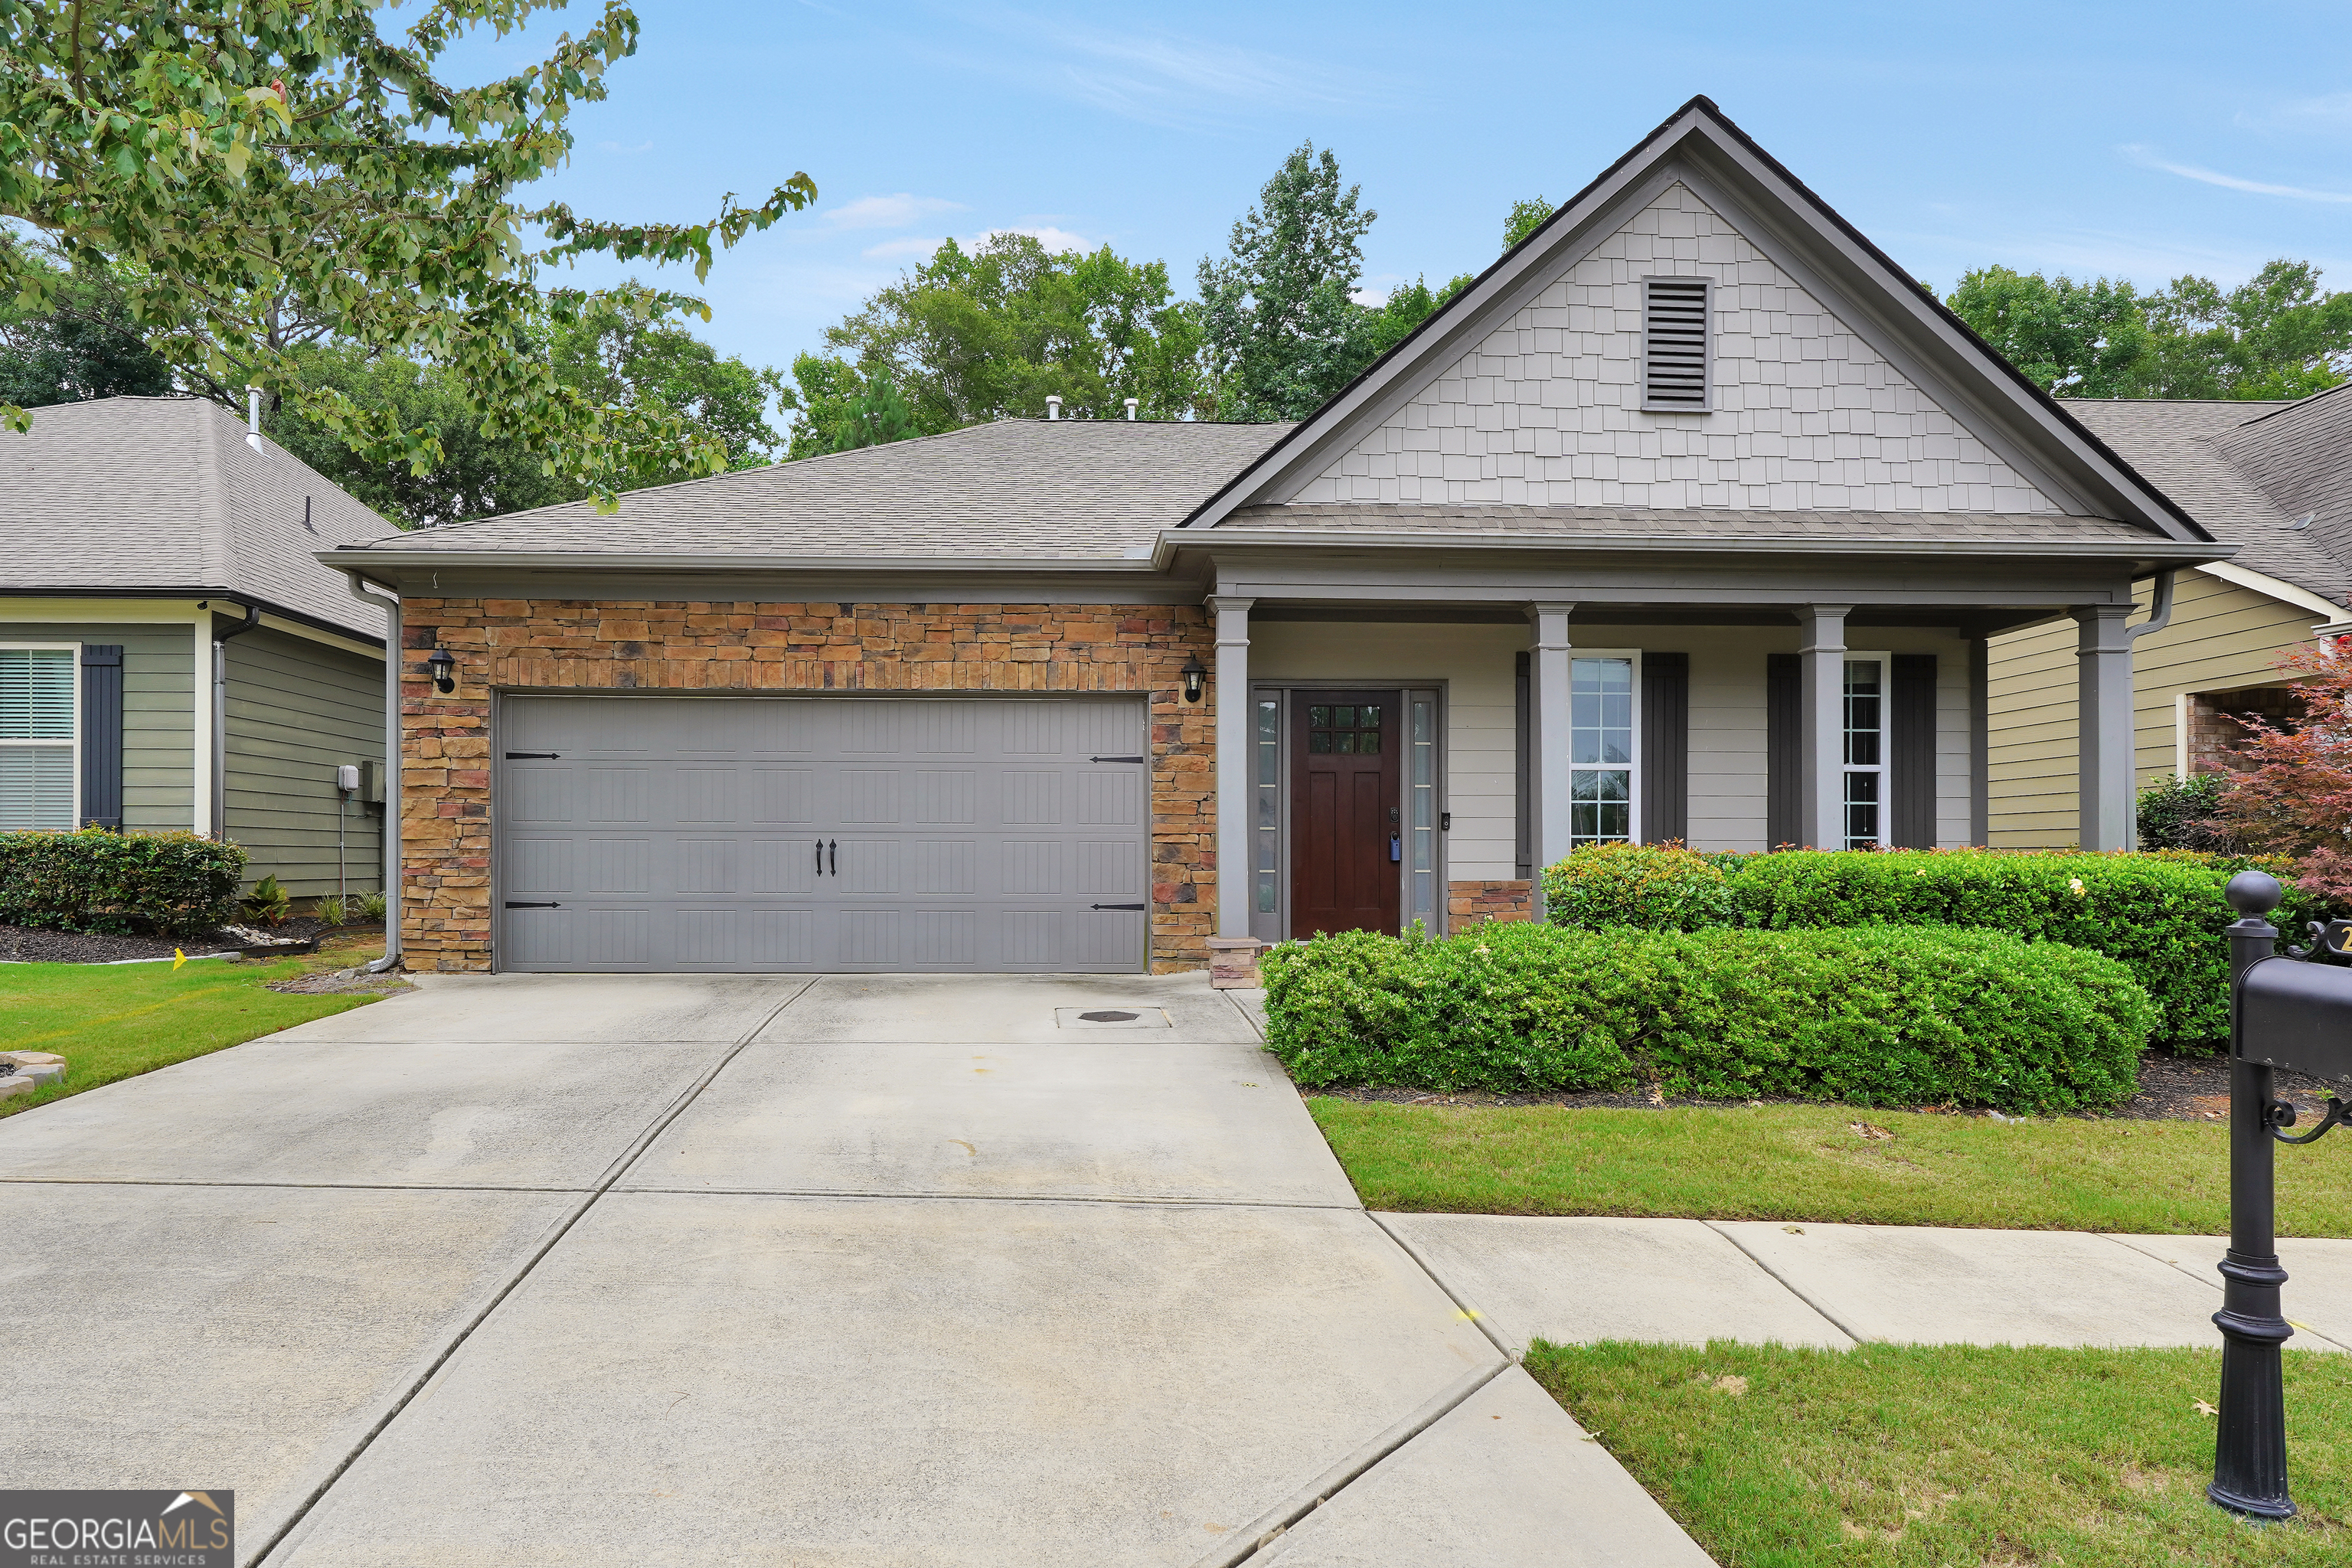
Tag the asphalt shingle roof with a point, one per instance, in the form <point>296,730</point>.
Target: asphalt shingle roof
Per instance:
<point>2026,531</point>
<point>1013,489</point>
<point>2246,470</point>
<point>142,493</point>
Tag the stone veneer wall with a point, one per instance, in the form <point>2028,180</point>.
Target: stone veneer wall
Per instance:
<point>571,644</point>
<point>1476,902</point>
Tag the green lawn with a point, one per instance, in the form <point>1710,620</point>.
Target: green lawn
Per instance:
<point>1920,1456</point>
<point>1808,1163</point>
<point>115,1021</point>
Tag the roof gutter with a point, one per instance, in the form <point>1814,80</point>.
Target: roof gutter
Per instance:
<point>385,562</point>
<point>2164,551</point>
<point>389,603</point>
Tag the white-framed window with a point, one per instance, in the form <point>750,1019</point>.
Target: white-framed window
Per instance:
<point>1868,797</point>
<point>40,735</point>
<point>1604,749</point>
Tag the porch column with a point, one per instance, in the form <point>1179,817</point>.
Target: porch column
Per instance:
<point>1233,700</point>
<point>2103,725</point>
<point>1548,813</point>
<point>1821,679</point>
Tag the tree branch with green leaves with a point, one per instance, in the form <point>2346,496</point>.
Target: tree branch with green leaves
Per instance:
<point>261,176</point>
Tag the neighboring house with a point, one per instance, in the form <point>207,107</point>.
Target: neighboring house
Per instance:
<point>2277,476</point>
<point>172,656</point>
<point>1688,519</point>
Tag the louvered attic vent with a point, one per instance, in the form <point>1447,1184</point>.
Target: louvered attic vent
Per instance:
<point>1674,350</point>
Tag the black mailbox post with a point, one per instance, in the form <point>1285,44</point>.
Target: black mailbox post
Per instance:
<point>2293,1013</point>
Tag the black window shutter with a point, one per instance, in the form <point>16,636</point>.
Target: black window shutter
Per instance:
<point>1524,855</point>
<point>101,735</point>
<point>1911,749</point>
<point>1665,747</point>
<point>1783,754</point>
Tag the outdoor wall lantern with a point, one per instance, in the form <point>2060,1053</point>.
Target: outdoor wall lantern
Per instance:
<point>444,665</point>
<point>1196,679</point>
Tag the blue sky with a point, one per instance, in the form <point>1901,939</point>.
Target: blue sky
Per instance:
<point>2142,141</point>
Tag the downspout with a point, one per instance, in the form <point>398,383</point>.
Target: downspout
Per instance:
<point>389,603</point>
<point>220,715</point>
<point>2160,616</point>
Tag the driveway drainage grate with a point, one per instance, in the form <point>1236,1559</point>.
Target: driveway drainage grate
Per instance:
<point>1110,1017</point>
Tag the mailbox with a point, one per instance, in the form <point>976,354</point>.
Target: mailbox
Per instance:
<point>2296,1015</point>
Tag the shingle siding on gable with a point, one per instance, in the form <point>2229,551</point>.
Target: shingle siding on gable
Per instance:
<point>1548,410</point>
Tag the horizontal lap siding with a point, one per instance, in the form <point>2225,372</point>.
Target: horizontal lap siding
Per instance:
<point>1477,665</point>
<point>159,737</point>
<point>2222,636</point>
<point>297,710</point>
<point>1727,756</point>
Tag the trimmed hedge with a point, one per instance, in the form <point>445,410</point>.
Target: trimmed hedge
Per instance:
<point>1650,887</point>
<point>113,883</point>
<point>1888,1017</point>
<point>2160,913</point>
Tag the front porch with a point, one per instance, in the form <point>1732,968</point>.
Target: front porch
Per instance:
<point>1418,762</point>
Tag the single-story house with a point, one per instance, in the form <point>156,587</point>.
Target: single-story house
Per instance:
<point>172,656</point>
<point>2276,477</point>
<point>1689,519</point>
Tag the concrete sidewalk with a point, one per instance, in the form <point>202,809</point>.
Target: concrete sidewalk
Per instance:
<point>1571,1280</point>
<point>684,1269</point>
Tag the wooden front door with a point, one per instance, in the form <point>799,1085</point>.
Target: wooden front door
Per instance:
<point>1345,816</point>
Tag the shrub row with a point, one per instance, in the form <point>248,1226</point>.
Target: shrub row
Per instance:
<point>2161,914</point>
<point>1887,1016</point>
<point>112,883</point>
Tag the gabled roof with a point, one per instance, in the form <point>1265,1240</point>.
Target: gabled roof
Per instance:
<point>1871,295</point>
<point>2247,471</point>
<point>142,494</point>
<point>1030,489</point>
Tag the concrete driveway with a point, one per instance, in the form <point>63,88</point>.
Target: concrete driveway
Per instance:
<point>862,1271</point>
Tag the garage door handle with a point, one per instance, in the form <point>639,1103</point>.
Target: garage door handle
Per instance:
<point>513,905</point>
<point>1114,906</point>
<point>530,756</point>
<point>832,854</point>
<point>820,856</point>
<point>1114,760</point>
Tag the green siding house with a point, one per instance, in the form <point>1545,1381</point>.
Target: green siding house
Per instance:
<point>172,657</point>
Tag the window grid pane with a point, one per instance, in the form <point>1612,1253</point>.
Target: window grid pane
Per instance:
<point>1861,810</point>
<point>1866,752</point>
<point>1601,731</point>
<point>36,694</point>
<point>36,787</point>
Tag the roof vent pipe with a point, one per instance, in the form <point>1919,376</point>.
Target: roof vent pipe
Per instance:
<point>1054,407</point>
<point>253,417</point>
<point>1131,410</point>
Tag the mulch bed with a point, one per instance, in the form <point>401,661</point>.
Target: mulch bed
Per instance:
<point>2171,1089</point>
<point>24,945</point>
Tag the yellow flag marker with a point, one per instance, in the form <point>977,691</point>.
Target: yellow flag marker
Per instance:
<point>178,958</point>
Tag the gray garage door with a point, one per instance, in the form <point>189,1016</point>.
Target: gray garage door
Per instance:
<point>781,833</point>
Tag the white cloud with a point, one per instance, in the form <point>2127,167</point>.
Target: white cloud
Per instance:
<point>1053,240</point>
<point>2145,157</point>
<point>1058,240</point>
<point>891,249</point>
<point>889,212</point>
<point>2332,109</point>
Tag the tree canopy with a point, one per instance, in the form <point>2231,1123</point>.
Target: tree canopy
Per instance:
<point>262,179</point>
<point>990,333</point>
<point>2278,334</point>
<point>86,346</point>
<point>651,365</point>
<point>1280,325</point>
